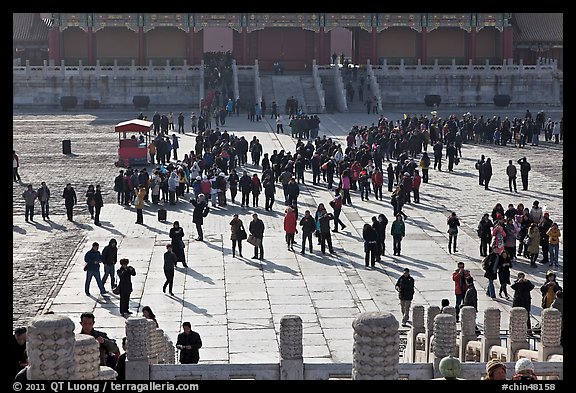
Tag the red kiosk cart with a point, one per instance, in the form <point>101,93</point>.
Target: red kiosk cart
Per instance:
<point>133,151</point>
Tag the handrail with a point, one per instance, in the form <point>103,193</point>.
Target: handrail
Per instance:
<point>235,79</point>
<point>318,86</point>
<point>257,87</point>
<point>339,85</point>
<point>374,87</point>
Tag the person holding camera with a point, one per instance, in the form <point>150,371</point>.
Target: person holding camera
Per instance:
<point>189,342</point>
<point>459,277</point>
<point>522,298</point>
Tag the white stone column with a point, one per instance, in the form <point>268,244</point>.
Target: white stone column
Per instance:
<point>517,339</point>
<point>50,346</point>
<point>444,340</point>
<point>170,351</point>
<point>375,354</point>
<point>491,332</point>
<point>154,343</point>
<point>138,348</point>
<point>87,357</point>
<point>417,328</point>
<point>430,315</point>
<point>550,336</point>
<point>291,359</point>
<point>467,330</point>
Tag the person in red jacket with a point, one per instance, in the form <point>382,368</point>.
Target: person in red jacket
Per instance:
<point>290,227</point>
<point>416,181</point>
<point>378,182</point>
<point>459,277</point>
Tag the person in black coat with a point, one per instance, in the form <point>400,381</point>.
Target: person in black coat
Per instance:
<point>125,274</point>
<point>370,237</point>
<point>189,342</point>
<point>405,288</point>
<point>504,266</point>
<point>98,203</point>
<point>256,228</point>
<point>484,232</point>
<point>121,364</point>
<point>201,210</point>
<point>323,218</point>
<point>380,229</point>
<point>70,200</point>
<point>169,265</point>
<point>177,236</point>
<point>487,172</point>
<point>522,287</point>
<point>308,227</point>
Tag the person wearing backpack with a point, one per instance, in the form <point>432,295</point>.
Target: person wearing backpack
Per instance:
<point>336,205</point>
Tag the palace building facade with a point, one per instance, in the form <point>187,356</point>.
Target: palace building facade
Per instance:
<point>294,39</point>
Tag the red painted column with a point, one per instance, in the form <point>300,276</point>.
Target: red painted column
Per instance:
<point>191,59</point>
<point>423,46</point>
<point>373,55</point>
<point>91,60</point>
<point>141,48</point>
<point>244,46</point>
<point>54,45</point>
<point>472,45</point>
<point>507,43</point>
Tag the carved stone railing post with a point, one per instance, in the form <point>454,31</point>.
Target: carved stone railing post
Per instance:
<point>430,315</point>
<point>467,330</point>
<point>138,349</point>
<point>291,359</point>
<point>444,340</point>
<point>417,328</point>
<point>161,345</point>
<point>491,332</point>
<point>517,339</point>
<point>550,336</point>
<point>87,357</point>
<point>154,344</point>
<point>50,347</point>
<point>170,351</point>
<point>376,346</point>
<point>449,310</point>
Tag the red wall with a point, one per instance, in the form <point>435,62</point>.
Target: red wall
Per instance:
<point>294,46</point>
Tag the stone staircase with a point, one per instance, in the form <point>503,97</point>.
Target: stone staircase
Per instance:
<point>310,95</point>
<point>246,91</point>
<point>267,90</point>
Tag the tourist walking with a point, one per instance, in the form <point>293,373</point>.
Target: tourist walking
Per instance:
<point>201,210</point>
<point>504,266</point>
<point>256,229</point>
<point>178,246</point>
<point>323,224</point>
<point>125,274</point>
<point>490,266</point>
<point>139,204</point>
<point>70,200</point>
<point>15,166</point>
<point>290,227</point>
<point>92,269</point>
<point>109,257</point>
<point>532,243</point>
<point>238,233</point>
<point>405,288</point>
<point>511,173</point>
<point>553,244</point>
<point>98,204</point>
<point>169,265</point>
<point>453,223</point>
<point>370,237</point>
<point>29,198</point>
<point>398,232</point>
<point>44,196</point>
<point>308,225</point>
<point>90,201</point>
